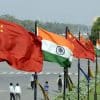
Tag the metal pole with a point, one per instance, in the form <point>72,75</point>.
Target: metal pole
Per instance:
<point>35,86</point>
<point>88,79</point>
<point>65,83</point>
<point>65,74</point>
<point>95,93</point>
<point>78,79</point>
<point>35,75</point>
<point>79,75</point>
<point>96,71</point>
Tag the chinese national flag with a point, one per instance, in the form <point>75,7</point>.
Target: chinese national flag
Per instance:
<point>88,44</point>
<point>80,51</point>
<point>19,48</point>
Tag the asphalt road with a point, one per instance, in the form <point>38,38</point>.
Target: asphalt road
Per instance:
<point>50,72</point>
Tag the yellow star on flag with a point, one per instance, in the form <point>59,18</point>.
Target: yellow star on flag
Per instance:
<point>1,28</point>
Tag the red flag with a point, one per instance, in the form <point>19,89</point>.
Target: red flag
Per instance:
<point>19,48</point>
<point>80,51</point>
<point>88,44</point>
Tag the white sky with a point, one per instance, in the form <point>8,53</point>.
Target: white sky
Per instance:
<point>67,11</point>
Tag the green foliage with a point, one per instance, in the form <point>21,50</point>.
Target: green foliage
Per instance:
<point>72,95</point>
<point>95,31</point>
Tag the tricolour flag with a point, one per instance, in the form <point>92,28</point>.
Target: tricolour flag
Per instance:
<point>56,48</point>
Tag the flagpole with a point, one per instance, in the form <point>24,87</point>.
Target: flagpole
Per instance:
<point>88,74</point>
<point>88,79</point>
<point>79,75</point>
<point>65,74</point>
<point>35,75</point>
<point>95,93</point>
<point>65,83</point>
<point>96,72</point>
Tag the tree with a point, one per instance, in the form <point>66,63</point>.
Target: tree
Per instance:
<point>95,31</point>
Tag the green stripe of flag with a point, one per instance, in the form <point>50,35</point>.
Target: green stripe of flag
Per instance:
<point>54,58</point>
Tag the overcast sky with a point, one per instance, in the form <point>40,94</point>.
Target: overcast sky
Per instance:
<point>67,11</point>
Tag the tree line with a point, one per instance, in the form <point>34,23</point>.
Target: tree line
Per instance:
<point>50,26</point>
<point>59,28</point>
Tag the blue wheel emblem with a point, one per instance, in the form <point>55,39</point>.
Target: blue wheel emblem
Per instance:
<point>60,50</point>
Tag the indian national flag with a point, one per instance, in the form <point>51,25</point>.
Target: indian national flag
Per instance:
<point>56,48</point>
<point>98,47</point>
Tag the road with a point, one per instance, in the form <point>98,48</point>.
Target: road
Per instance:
<point>50,72</point>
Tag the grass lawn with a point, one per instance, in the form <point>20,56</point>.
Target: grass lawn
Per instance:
<point>91,95</point>
<point>98,93</point>
<point>83,94</point>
